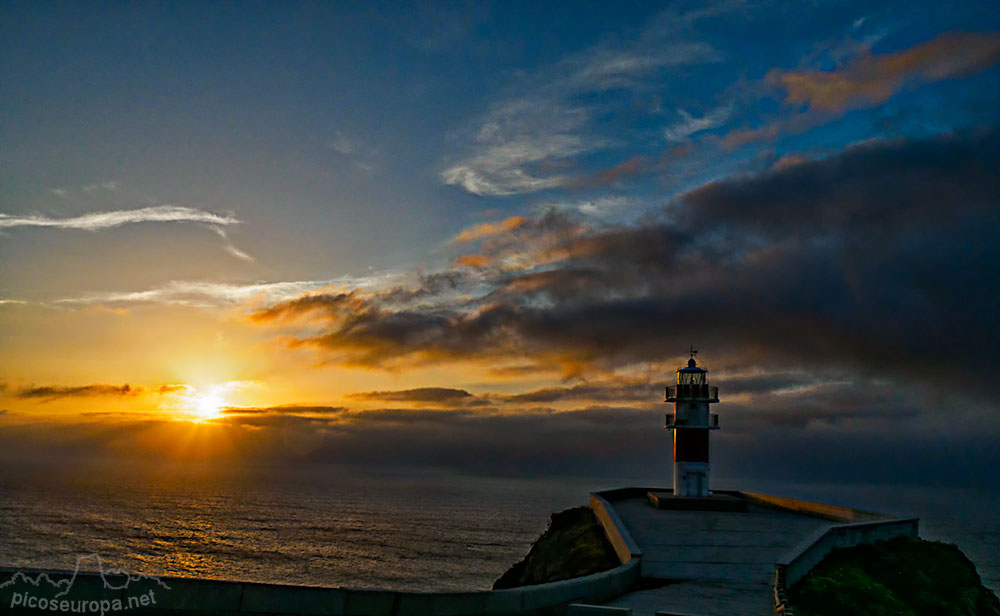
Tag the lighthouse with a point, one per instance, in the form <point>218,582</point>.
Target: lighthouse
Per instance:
<point>690,423</point>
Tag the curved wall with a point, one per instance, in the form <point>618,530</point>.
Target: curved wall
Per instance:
<point>186,596</point>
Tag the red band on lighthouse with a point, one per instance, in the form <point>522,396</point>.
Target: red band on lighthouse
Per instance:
<point>690,445</point>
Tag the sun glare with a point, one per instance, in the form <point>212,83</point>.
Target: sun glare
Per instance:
<point>200,403</point>
<point>209,405</point>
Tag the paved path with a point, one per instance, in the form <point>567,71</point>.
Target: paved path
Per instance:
<point>722,562</point>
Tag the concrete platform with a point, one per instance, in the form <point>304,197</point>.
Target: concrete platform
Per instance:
<point>713,563</point>
<point>701,599</point>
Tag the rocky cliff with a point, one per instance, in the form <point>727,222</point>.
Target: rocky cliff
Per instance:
<point>901,577</point>
<point>572,546</point>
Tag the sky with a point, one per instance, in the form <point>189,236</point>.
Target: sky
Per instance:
<point>481,237</point>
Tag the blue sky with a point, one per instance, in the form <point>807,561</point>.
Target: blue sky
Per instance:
<point>322,199</point>
<point>363,134</point>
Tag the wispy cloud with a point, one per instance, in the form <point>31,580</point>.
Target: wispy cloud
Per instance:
<point>490,229</point>
<point>289,410</point>
<point>108,185</point>
<point>528,141</point>
<point>689,125</point>
<point>867,80</point>
<point>51,392</point>
<point>613,207</point>
<point>520,144</point>
<point>96,221</point>
<point>228,245</point>
<point>630,167</point>
<point>342,144</point>
<point>421,395</point>
<point>362,154</point>
<point>215,294</point>
<point>871,79</point>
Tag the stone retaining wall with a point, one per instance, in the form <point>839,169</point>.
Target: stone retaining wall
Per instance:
<point>818,510</point>
<point>195,597</point>
<point>799,561</point>
<point>615,530</point>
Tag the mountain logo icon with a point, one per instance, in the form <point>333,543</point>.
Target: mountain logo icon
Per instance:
<point>113,578</point>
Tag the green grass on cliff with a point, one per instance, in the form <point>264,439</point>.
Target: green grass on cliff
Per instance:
<point>899,577</point>
<point>574,545</point>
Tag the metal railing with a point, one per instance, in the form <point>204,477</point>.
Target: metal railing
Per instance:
<point>692,392</point>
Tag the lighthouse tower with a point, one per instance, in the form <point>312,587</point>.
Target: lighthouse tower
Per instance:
<point>690,423</point>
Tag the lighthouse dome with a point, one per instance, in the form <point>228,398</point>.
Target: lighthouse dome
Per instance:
<point>692,367</point>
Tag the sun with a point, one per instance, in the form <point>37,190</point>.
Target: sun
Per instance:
<point>201,403</point>
<point>209,405</point>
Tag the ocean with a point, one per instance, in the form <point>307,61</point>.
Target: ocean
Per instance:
<point>413,531</point>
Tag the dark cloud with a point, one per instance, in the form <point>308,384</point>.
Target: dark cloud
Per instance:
<point>521,370</point>
<point>873,405</point>
<point>275,428</point>
<point>883,188</point>
<point>881,259</point>
<point>423,395</point>
<point>842,433</point>
<point>620,390</point>
<point>604,391</point>
<point>430,286</point>
<point>285,410</point>
<point>767,382</point>
<point>52,392</point>
<point>437,416</point>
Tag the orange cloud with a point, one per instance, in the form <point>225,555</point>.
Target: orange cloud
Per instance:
<point>121,312</point>
<point>871,79</point>
<point>474,261</point>
<point>171,388</point>
<point>319,302</point>
<point>789,160</point>
<point>490,229</point>
<point>740,137</point>
<point>627,168</point>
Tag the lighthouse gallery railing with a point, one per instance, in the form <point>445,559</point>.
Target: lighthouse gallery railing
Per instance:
<point>695,391</point>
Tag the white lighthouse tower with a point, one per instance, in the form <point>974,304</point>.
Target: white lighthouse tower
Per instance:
<point>691,423</point>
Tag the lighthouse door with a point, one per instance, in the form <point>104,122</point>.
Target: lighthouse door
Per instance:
<point>696,484</point>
